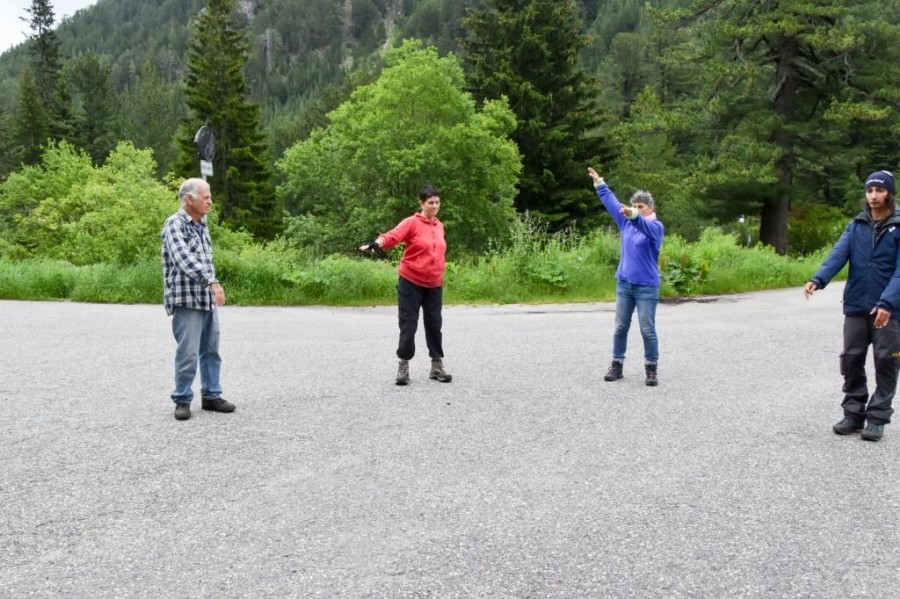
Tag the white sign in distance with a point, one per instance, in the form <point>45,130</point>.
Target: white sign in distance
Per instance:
<point>206,168</point>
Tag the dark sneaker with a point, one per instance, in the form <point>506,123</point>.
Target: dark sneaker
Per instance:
<point>437,371</point>
<point>217,405</point>
<point>614,373</point>
<point>873,432</point>
<point>847,426</point>
<point>403,373</point>
<point>182,411</point>
<point>651,375</point>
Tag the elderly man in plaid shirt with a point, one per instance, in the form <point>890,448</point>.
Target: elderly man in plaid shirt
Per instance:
<point>192,294</point>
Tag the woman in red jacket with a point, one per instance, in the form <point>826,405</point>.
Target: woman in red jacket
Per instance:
<point>421,282</point>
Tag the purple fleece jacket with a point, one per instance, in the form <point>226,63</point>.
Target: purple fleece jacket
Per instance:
<point>641,241</point>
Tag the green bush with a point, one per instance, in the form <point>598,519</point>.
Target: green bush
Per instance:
<point>37,280</point>
<point>814,226</point>
<point>65,209</point>
<point>344,280</point>
<point>56,279</point>
<point>534,267</point>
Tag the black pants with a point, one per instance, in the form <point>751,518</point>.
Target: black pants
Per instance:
<point>859,333</point>
<point>410,299</point>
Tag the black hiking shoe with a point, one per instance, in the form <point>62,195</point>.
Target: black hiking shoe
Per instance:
<point>403,373</point>
<point>873,432</point>
<point>217,405</point>
<point>182,411</point>
<point>847,426</point>
<point>651,375</point>
<point>614,373</point>
<point>437,371</point>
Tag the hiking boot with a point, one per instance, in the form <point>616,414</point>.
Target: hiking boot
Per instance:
<point>651,375</point>
<point>873,432</point>
<point>217,405</point>
<point>847,426</point>
<point>403,373</point>
<point>437,371</point>
<point>182,411</point>
<point>615,371</point>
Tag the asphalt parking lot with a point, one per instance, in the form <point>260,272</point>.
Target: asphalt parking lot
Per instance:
<point>527,476</point>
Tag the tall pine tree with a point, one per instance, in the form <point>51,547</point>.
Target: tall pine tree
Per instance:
<point>46,58</point>
<point>150,116</point>
<point>784,88</point>
<point>41,109</point>
<point>95,106</point>
<point>527,50</point>
<point>216,90</point>
<point>31,128</point>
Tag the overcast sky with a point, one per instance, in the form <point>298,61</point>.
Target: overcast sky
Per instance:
<point>12,29</point>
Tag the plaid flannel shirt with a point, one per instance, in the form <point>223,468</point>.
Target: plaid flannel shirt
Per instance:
<point>188,269</point>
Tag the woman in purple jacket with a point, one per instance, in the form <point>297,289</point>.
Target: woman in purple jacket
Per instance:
<point>637,278</point>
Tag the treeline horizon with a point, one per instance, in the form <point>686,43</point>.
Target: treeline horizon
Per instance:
<point>759,118</point>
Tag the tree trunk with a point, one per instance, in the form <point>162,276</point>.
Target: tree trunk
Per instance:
<point>773,226</point>
<point>773,229</point>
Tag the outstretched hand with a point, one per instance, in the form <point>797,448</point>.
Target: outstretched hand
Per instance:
<point>373,249</point>
<point>593,174</point>
<point>809,289</point>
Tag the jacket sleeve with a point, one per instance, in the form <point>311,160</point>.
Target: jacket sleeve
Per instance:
<point>836,260</point>
<point>652,229</point>
<point>398,234</point>
<point>890,297</point>
<point>612,204</point>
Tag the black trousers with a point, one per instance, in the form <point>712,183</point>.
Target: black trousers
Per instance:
<point>859,333</point>
<point>410,299</point>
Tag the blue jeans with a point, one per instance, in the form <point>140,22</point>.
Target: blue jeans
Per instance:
<point>644,298</point>
<point>197,335</point>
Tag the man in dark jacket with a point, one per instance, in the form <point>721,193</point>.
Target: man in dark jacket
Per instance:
<point>871,244</point>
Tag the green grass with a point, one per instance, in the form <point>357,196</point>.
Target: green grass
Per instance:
<point>535,267</point>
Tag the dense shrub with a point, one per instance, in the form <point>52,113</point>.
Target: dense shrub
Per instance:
<point>814,226</point>
<point>67,209</point>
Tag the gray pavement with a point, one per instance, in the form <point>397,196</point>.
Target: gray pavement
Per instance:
<point>528,476</point>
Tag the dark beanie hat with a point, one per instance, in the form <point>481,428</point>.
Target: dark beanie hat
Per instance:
<point>882,179</point>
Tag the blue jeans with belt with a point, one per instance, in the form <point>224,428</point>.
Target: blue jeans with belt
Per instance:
<point>644,298</point>
<point>197,335</point>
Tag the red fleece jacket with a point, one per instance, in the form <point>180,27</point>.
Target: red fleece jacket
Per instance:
<point>423,258</point>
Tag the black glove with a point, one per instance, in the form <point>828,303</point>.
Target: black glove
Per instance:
<point>372,246</point>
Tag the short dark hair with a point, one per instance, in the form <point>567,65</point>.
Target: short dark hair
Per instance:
<point>429,191</point>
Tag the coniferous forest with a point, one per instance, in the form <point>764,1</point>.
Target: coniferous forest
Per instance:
<point>330,114</point>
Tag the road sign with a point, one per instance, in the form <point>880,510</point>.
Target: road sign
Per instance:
<point>205,142</point>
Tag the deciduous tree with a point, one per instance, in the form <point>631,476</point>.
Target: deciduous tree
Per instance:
<point>414,126</point>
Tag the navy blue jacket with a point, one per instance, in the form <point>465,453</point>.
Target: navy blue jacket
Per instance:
<point>874,257</point>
